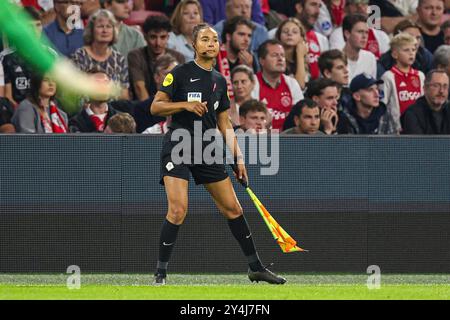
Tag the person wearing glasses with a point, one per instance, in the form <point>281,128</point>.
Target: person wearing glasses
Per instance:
<point>66,32</point>
<point>430,114</point>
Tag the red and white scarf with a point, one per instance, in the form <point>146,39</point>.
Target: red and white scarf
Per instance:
<point>372,44</point>
<point>224,68</point>
<point>337,12</point>
<point>313,54</point>
<point>56,123</point>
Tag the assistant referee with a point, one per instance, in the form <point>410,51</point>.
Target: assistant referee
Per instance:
<point>196,92</point>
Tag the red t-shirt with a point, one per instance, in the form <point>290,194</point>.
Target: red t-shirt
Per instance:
<point>279,100</point>
<point>408,87</point>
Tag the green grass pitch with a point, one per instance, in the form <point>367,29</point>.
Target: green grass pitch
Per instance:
<point>225,287</point>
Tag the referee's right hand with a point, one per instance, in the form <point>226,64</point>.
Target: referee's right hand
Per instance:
<point>199,108</point>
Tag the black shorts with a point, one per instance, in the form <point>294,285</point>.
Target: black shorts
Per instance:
<point>202,173</point>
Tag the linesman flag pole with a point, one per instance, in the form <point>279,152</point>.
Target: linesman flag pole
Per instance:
<point>284,240</point>
<point>14,24</point>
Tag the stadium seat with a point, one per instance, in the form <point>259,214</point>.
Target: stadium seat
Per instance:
<point>138,17</point>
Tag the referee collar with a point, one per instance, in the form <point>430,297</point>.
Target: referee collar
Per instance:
<point>202,67</point>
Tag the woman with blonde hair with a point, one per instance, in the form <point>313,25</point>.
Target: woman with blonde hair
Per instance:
<point>97,53</point>
<point>293,37</point>
<point>187,14</point>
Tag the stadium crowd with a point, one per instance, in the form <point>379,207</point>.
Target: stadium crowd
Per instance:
<point>298,66</point>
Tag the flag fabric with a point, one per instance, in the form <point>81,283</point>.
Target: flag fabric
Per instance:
<point>284,240</point>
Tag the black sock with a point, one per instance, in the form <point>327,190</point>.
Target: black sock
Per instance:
<point>240,230</point>
<point>167,239</point>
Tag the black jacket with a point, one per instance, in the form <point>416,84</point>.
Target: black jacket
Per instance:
<point>420,119</point>
<point>81,122</point>
<point>379,121</point>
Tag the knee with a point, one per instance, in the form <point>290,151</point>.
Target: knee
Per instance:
<point>233,211</point>
<point>176,213</point>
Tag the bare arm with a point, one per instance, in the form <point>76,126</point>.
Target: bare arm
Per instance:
<point>8,93</point>
<point>300,74</point>
<point>163,106</point>
<point>124,94</point>
<point>141,90</point>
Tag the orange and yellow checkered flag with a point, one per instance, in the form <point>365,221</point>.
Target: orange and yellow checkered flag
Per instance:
<point>284,240</point>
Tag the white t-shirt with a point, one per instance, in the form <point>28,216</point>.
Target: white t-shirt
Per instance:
<point>366,63</point>
<point>337,40</point>
<point>406,7</point>
<point>324,25</point>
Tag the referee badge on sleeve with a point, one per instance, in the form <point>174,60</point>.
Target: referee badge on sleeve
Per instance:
<point>168,80</point>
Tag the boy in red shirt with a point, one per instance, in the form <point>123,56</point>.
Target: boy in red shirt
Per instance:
<point>403,85</point>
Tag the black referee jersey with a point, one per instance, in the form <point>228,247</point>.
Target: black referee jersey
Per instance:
<point>190,82</point>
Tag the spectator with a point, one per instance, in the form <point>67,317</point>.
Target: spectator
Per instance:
<point>187,14</point>
<point>128,38</point>
<point>276,90</point>
<point>395,11</point>
<point>403,85</point>
<point>441,59</point>
<point>325,93</point>
<point>308,14</point>
<point>253,117</point>
<point>365,114</point>
<point>430,13</point>
<point>95,113</point>
<point>6,113</point>
<point>145,121</point>
<point>141,61</point>
<point>121,123</point>
<point>377,40</point>
<point>325,22</point>
<point>286,7</point>
<point>17,72</point>
<point>446,30</point>
<point>65,34</point>
<point>241,8</point>
<point>44,7</point>
<point>336,9</point>
<point>235,49</point>
<point>215,10</point>
<point>356,34</point>
<point>39,112</point>
<point>243,81</point>
<point>333,66</point>
<point>292,35</point>
<point>306,114</point>
<point>430,114</point>
<point>97,53</point>
<point>88,7</point>
<point>424,57</point>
